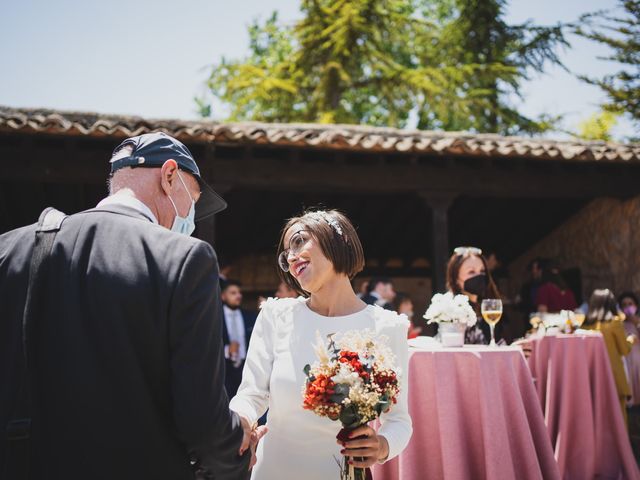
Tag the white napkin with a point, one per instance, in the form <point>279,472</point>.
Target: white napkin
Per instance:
<point>582,331</point>
<point>424,343</point>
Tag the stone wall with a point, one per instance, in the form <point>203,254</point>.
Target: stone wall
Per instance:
<point>602,240</point>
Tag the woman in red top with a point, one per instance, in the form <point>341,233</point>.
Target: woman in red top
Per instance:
<point>554,294</point>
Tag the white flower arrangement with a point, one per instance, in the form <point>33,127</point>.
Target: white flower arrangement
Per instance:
<point>447,308</point>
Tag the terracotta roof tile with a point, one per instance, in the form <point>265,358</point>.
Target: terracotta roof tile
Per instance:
<point>348,137</point>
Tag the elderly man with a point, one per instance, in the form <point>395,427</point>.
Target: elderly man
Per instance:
<point>111,360</point>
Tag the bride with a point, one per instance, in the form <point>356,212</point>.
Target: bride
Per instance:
<point>319,253</point>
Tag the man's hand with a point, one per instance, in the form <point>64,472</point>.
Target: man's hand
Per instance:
<point>246,441</point>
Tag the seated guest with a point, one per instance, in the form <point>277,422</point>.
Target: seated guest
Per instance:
<point>362,291</point>
<point>603,316</point>
<point>236,331</point>
<point>529,290</point>
<point>380,292</point>
<point>285,291</point>
<point>554,294</point>
<point>467,274</point>
<point>628,302</point>
<point>404,305</point>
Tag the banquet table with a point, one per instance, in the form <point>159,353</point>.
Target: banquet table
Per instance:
<point>475,415</point>
<point>578,395</point>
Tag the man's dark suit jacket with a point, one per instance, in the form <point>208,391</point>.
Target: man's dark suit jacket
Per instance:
<point>129,365</point>
<point>233,374</point>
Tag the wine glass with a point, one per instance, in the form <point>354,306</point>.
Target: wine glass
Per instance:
<point>491,310</point>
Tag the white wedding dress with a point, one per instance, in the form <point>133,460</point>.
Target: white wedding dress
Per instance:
<point>299,443</point>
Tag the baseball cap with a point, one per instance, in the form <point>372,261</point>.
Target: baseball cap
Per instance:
<point>151,150</point>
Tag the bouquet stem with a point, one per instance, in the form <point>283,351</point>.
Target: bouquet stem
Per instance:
<point>349,472</point>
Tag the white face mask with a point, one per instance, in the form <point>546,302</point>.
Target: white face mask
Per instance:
<point>185,225</point>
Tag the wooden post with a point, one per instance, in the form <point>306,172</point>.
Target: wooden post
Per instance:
<point>439,204</point>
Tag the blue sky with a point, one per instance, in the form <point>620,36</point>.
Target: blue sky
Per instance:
<point>150,58</point>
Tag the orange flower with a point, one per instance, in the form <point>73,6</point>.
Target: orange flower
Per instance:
<point>318,393</point>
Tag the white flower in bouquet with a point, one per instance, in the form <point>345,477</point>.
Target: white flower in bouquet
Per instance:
<point>347,376</point>
<point>450,308</point>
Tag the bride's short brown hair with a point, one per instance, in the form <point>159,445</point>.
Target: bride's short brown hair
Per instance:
<point>336,237</point>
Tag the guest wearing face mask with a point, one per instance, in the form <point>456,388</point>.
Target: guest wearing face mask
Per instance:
<point>468,274</point>
<point>628,303</point>
<point>110,339</point>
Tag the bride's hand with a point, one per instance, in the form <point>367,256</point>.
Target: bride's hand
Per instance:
<point>256,435</point>
<point>252,435</point>
<point>366,451</point>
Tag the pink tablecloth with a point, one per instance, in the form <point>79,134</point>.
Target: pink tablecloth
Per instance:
<point>475,416</point>
<point>578,395</point>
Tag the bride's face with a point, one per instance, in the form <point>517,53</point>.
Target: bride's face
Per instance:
<point>307,264</point>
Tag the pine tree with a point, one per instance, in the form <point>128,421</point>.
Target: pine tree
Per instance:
<point>378,62</point>
<point>621,33</point>
<point>479,35</point>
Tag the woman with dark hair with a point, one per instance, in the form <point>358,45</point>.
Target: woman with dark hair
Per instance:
<point>628,302</point>
<point>603,316</point>
<point>554,294</point>
<point>318,254</point>
<point>467,274</point>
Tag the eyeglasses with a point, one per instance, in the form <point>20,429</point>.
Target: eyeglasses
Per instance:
<point>466,251</point>
<point>296,243</point>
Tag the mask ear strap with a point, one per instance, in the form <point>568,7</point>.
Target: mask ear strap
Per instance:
<point>174,205</point>
<point>185,187</point>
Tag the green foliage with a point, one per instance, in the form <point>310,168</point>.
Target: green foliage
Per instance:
<point>478,35</point>
<point>622,34</point>
<point>453,64</point>
<point>598,126</point>
<point>349,417</point>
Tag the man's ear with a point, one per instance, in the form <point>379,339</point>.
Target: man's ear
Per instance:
<point>168,175</point>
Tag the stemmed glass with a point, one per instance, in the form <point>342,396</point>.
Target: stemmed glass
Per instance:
<point>491,310</point>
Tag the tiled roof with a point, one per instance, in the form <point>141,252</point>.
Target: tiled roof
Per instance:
<point>346,137</point>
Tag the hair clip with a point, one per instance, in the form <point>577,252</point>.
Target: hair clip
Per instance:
<point>333,223</point>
